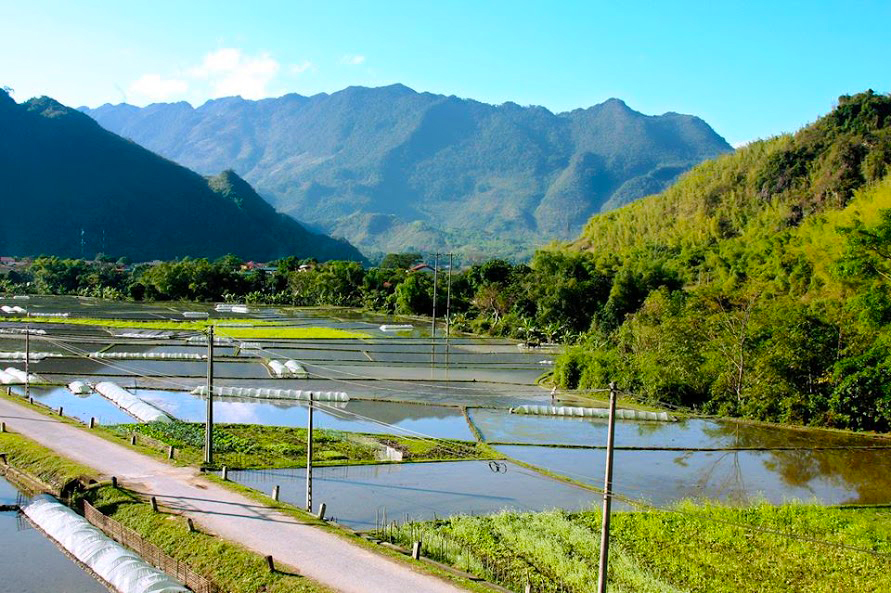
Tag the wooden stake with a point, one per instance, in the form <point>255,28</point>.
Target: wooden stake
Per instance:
<point>607,492</point>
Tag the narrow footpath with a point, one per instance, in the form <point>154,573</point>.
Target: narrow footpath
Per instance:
<point>316,554</point>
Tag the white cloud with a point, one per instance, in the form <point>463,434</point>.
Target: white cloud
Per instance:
<point>152,87</point>
<point>302,67</point>
<point>230,72</point>
<point>352,59</point>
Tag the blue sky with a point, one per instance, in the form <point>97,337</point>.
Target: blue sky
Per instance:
<point>750,69</point>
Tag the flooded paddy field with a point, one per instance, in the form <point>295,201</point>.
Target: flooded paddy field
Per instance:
<point>360,496</point>
<point>388,374</point>
<point>31,562</point>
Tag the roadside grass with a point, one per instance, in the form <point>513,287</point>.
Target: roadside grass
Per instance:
<point>233,568</point>
<point>688,548</point>
<point>257,328</point>
<point>255,446</point>
<point>38,461</point>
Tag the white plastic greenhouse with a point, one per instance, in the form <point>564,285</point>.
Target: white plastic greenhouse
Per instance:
<point>289,368</point>
<point>396,328</point>
<point>149,355</point>
<point>11,310</point>
<point>79,388</point>
<point>622,414</point>
<point>121,568</point>
<point>131,404</point>
<point>33,357</point>
<point>268,393</point>
<point>18,376</point>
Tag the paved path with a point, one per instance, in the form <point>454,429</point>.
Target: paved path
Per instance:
<point>319,555</point>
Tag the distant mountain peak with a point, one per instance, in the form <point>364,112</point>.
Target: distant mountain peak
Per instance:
<point>474,173</point>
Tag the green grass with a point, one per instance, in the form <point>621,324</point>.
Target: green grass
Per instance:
<point>36,460</point>
<point>259,446</point>
<point>233,568</point>
<point>694,549</point>
<point>258,329</point>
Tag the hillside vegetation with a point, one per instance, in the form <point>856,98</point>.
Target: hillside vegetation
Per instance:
<point>391,169</point>
<point>758,284</point>
<point>71,188</point>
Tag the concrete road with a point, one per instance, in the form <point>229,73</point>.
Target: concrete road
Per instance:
<point>321,556</point>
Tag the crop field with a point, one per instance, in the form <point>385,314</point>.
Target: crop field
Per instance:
<point>687,548</point>
<point>252,446</point>
<point>253,328</point>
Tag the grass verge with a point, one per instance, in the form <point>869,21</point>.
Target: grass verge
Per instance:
<point>689,548</point>
<point>230,566</point>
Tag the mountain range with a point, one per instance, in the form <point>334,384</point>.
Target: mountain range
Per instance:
<point>72,189</point>
<point>391,169</point>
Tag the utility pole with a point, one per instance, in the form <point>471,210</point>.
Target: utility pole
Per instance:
<point>607,491</point>
<point>449,300</point>
<point>309,456</point>
<point>208,430</point>
<point>27,357</point>
<point>435,272</point>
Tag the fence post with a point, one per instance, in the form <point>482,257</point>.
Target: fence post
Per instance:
<point>170,452</point>
<point>154,502</point>
<point>190,524</point>
<point>133,439</point>
<point>60,410</point>
<point>270,564</point>
<point>275,492</point>
<point>416,550</point>
<point>225,473</point>
<point>2,426</point>
<point>92,422</point>
<point>114,482</point>
<point>322,508</point>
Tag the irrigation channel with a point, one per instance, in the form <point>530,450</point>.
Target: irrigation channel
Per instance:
<point>409,383</point>
<point>30,560</point>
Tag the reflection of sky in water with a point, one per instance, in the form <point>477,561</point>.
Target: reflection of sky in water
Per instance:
<point>501,426</point>
<point>435,421</point>
<point>354,495</point>
<point>661,477</point>
<point>81,407</point>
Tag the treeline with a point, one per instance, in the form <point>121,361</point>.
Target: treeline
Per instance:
<point>759,285</point>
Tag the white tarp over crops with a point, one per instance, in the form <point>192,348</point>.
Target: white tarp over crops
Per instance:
<point>150,355</point>
<point>45,314</point>
<point>289,368</point>
<point>269,393</point>
<point>79,388</point>
<point>13,375</point>
<point>144,334</point>
<point>33,356</point>
<point>397,328</point>
<point>22,330</point>
<point>11,310</point>
<point>131,404</point>
<point>196,314</point>
<point>621,414</point>
<point>221,340</point>
<point>226,308</point>
<point>121,568</point>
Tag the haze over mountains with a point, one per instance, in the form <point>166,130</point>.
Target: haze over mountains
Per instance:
<point>72,189</point>
<point>392,169</point>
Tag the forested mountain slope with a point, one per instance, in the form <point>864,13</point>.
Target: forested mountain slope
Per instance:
<point>392,169</point>
<point>72,189</point>
<point>759,284</point>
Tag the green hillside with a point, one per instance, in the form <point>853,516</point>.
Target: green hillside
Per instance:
<point>758,284</point>
<point>73,189</point>
<point>392,169</point>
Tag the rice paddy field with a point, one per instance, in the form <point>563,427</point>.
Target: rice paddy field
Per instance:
<point>490,491</point>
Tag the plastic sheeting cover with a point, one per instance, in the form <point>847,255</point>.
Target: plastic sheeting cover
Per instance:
<point>79,388</point>
<point>396,328</point>
<point>289,368</point>
<point>150,355</point>
<point>131,404</point>
<point>269,393</point>
<point>120,567</point>
<point>19,376</point>
<point>623,414</point>
<point>33,356</point>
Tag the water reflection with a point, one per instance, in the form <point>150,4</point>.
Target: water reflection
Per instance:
<point>358,495</point>
<point>661,477</point>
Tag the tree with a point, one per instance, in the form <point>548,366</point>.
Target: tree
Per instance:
<point>400,261</point>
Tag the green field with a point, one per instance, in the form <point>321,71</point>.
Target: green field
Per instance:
<point>258,329</point>
<point>253,446</point>
<point>688,548</point>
